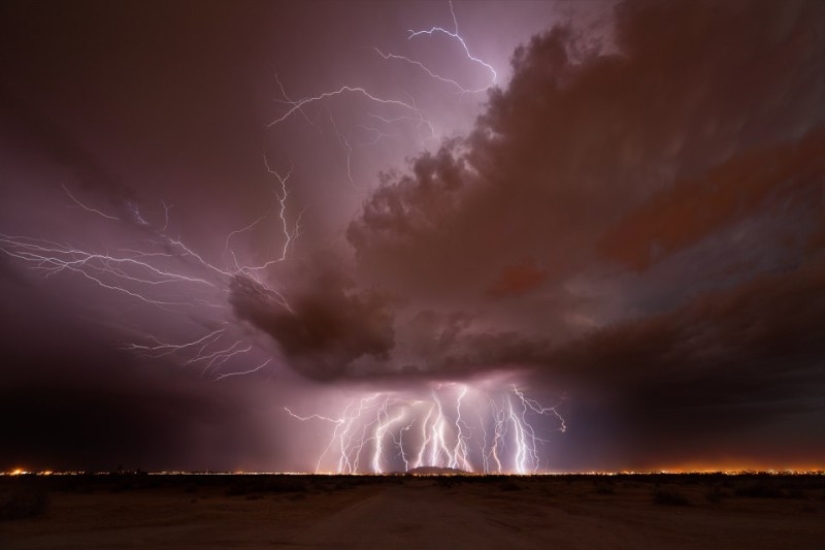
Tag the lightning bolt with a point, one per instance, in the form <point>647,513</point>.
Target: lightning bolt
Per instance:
<point>456,36</point>
<point>437,431</point>
<point>88,208</point>
<point>298,105</point>
<point>166,273</point>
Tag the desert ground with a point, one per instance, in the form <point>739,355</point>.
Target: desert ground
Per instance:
<point>556,512</point>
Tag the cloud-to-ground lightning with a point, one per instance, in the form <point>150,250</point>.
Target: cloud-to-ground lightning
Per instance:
<point>457,426</point>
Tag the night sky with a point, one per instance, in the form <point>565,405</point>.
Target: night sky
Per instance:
<point>300,236</point>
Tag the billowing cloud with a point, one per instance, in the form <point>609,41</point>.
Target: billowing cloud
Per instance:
<point>725,366</point>
<point>325,328</point>
<point>576,143</point>
<point>516,280</point>
<point>686,212</point>
<point>667,190</point>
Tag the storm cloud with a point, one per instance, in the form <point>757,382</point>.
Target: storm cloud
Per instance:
<point>633,223</point>
<point>323,331</point>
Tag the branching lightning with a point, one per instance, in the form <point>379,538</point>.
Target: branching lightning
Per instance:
<point>456,36</point>
<point>411,113</point>
<point>88,208</point>
<point>458,426</point>
<point>296,106</point>
<point>164,272</point>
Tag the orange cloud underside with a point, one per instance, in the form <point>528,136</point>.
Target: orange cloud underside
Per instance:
<point>517,280</point>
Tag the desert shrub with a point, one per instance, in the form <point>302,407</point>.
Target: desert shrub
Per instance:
<point>445,481</point>
<point>340,486</point>
<point>716,494</point>
<point>509,485</point>
<point>290,486</point>
<point>796,492</point>
<point>235,490</point>
<point>670,497</point>
<point>23,501</point>
<point>760,489</point>
<point>604,488</point>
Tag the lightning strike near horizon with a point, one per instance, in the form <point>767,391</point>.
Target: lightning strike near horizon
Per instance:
<point>401,431</point>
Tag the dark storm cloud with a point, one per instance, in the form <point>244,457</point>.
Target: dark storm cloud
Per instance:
<point>670,155</point>
<point>573,144</point>
<point>139,99</point>
<point>577,143</point>
<point>517,280</point>
<point>327,326</point>
<point>682,215</point>
<point>590,156</point>
<point>673,385</point>
<point>724,364</point>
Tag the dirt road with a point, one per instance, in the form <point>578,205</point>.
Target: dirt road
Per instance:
<point>410,518</point>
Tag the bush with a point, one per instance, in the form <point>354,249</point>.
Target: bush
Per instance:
<point>670,497</point>
<point>509,485</point>
<point>444,481</point>
<point>716,494</point>
<point>760,489</point>
<point>604,488</point>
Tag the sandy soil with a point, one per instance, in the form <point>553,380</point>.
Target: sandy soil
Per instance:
<point>556,512</point>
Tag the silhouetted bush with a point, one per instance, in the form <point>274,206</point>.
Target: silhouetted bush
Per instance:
<point>670,497</point>
<point>716,494</point>
<point>444,481</point>
<point>760,489</point>
<point>509,485</point>
<point>604,487</point>
<point>235,490</point>
<point>289,486</point>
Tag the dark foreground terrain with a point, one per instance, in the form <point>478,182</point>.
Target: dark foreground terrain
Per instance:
<point>558,512</point>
